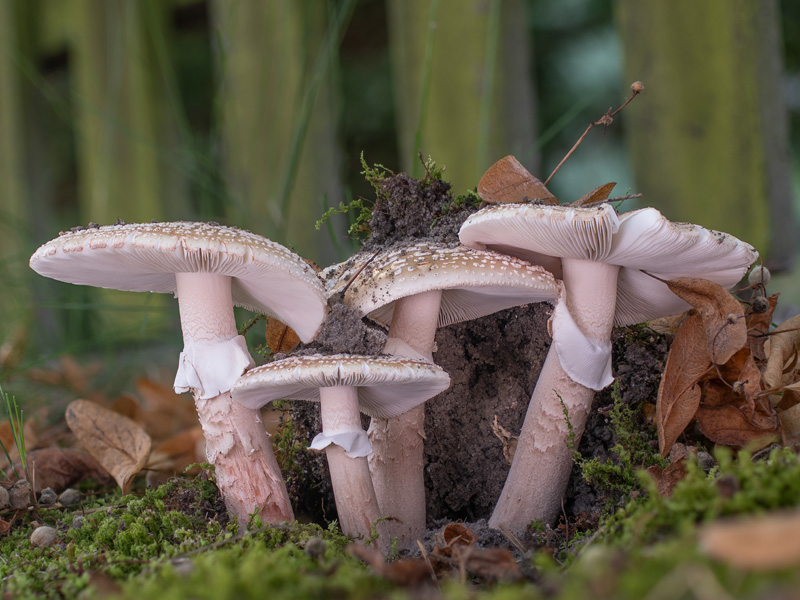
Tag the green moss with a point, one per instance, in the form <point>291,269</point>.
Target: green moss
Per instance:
<point>737,486</point>
<point>632,451</point>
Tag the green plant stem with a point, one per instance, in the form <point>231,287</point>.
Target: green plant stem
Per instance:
<point>427,71</point>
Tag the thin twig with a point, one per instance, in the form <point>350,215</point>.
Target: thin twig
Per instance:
<point>605,121</point>
<point>427,561</point>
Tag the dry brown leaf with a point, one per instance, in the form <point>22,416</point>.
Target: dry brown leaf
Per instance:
<point>757,326</point>
<point>598,194</point>
<point>454,534</point>
<point>722,314</point>
<point>667,479</point>
<point>508,440</point>
<point>5,526</point>
<point>668,325</point>
<point>679,391</point>
<point>724,422</point>
<point>116,442</point>
<point>790,421</point>
<point>60,468</point>
<point>762,543</point>
<point>128,406</point>
<point>280,337</point>
<point>493,564</point>
<point>508,181</point>
<point>29,436</point>
<point>173,455</point>
<point>783,346</point>
<point>164,412</point>
<point>406,572</point>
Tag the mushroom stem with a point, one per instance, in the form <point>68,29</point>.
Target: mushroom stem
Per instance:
<point>355,498</point>
<point>237,443</point>
<point>543,458</point>
<point>397,459</point>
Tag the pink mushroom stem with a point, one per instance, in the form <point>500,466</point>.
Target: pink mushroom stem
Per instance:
<point>543,459</point>
<point>397,459</point>
<point>355,498</point>
<point>237,443</point>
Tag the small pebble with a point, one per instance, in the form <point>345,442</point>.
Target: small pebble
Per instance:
<point>182,566</point>
<point>69,497</point>
<point>315,548</point>
<point>705,461</point>
<point>47,496</point>
<point>43,537</point>
<point>78,521</point>
<point>3,497</point>
<point>19,496</point>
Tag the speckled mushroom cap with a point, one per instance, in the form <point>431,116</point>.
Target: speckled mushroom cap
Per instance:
<point>387,385</point>
<point>265,277</point>
<point>473,283</point>
<point>637,241</point>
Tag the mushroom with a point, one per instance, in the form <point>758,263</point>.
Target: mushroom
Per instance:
<point>209,268</point>
<point>604,259</point>
<point>381,387</point>
<point>414,289</point>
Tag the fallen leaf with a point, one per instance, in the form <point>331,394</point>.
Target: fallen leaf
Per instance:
<point>173,455</point>
<point>667,479</point>
<point>128,406</point>
<point>598,194</point>
<point>763,543</point>
<point>508,181</point>
<point>280,337</point>
<point>508,440</point>
<point>406,572</point>
<point>60,468</point>
<point>493,564</point>
<point>784,342</point>
<point>679,392</point>
<point>790,421</point>
<point>722,314</point>
<point>454,534</point>
<point>164,411</point>
<point>724,422</point>
<point>668,325</point>
<point>116,442</point>
<point>757,328</point>
<point>4,526</point>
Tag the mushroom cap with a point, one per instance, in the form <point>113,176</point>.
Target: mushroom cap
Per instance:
<point>387,385</point>
<point>637,241</point>
<point>474,283</point>
<point>265,277</point>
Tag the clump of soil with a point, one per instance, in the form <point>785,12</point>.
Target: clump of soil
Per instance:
<point>493,363</point>
<point>345,332</point>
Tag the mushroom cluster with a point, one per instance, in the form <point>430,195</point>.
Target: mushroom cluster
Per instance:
<point>593,264</point>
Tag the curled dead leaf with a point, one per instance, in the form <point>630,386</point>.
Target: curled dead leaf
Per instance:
<point>679,392</point>
<point>115,441</point>
<point>783,347</point>
<point>60,468</point>
<point>406,572</point>
<point>508,181</point>
<point>280,337</point>
<point>722,314</point>
<point>598,194</point>
<point>173,455</point>
<point>757,327</point>
<point>508,440</point>
<point>762,543</point>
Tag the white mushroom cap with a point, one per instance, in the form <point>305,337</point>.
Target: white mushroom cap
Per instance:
<point>387,385</point>
<point>473,283</point>
<point>265,277</point>
<point>640,240</point>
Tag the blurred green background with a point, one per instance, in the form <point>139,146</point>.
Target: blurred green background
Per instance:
<point>254,113</point>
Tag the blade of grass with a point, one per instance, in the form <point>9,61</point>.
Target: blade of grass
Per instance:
<point>487,90</point>
<point>427,71</point>
<point>321,66</point>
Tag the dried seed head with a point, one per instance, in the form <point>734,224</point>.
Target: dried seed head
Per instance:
<point>760,275</point>
<point>759,304</point>
<point>637,87</point>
